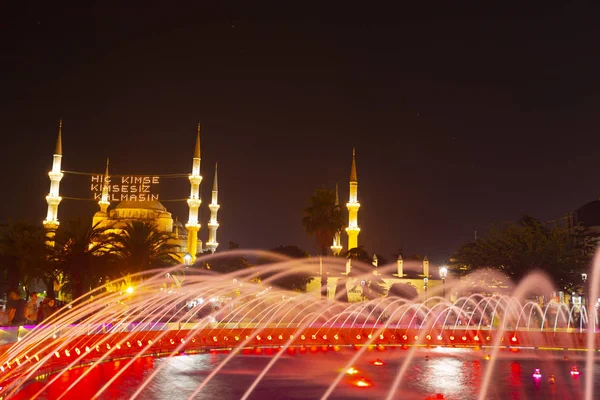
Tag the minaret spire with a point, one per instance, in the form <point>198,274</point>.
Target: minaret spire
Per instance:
<point>213,225</point>
<point>353,205</point>
<point>58,149</point>
<point>53,199</point>
<point>336,248</point>
<point>105,200</point>
<point>197,148</point>
<point>193,226</point>
<point>353,177</point>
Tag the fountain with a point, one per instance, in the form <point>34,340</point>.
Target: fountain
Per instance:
<point>231,336</point>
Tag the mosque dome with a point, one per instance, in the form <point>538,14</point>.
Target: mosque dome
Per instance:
<point>589,214</point>
<point>142,205</point>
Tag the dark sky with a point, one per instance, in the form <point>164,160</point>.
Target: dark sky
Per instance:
<point>460,117</point>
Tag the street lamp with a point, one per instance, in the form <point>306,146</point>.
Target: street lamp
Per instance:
<point>187,259</point>
<point>584,279</point>
<point>443,275</point>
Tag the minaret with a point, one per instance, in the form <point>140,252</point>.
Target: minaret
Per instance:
<point>337,242</point>
<point>105,200</point>
<point>213,225</point>
<point>353,205</point>
<point>400,263</point>
<point>53,199</point>
<point>193,226</point>
<point>426,267</point>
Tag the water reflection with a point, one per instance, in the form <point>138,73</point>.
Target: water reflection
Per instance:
<point>455,376</point>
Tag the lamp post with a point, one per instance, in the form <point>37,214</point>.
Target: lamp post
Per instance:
<point>443,275</point>
<point>584,279</point>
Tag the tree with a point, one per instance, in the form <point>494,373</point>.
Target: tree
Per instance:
<point>84,254</point>
<point>140,246</point>
<point>296,280</point>
<point>24,254</point>
<point>403,290</point>
<point>517,248</point>
<point>323,218</point>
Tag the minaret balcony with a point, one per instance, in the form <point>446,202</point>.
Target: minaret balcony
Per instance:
<point>195,179</point>
<point>214,207</point>
<point>193,225</point>
<point>55,175</point>
<point>193,203</point>
<point>352,229</point>
<point>53,200</point>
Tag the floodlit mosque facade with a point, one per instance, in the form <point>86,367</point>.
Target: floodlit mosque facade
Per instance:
<point>144,207</point>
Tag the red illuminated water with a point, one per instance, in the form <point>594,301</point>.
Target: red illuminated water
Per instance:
<point>307,376</point>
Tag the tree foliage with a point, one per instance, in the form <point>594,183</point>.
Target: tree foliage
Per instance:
<point>296,280</point>
<point>140,246</point>
<point>517,248</point>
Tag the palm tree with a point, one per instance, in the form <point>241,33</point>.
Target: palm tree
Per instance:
<point>83,254</point>
<point>323,219</point>
<point>140,246</point>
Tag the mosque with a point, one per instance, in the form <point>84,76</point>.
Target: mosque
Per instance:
<point>134,203</point>
<point>140,206</point>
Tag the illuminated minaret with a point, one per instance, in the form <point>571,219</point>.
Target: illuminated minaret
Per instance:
<point>337,243</point>
<point>213,225</point>
<point>193,226</point>
<point>353,205</point>
<point>105,200</point>
<point>53,199</point>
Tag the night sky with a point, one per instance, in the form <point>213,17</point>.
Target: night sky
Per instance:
<point>460,117</point>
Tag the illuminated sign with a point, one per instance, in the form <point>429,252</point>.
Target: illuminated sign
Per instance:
<point>126,188</point>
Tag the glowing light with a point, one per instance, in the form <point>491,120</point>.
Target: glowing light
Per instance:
<point>487,357</point>
<point>551,379</point>
<point>269,337</point>
<point>225,338</point>
<point>108,346</point>
<point>380,337</point>
<point>257,337</point>
<point>118,346</point>
<point>451,337</point>
<point>336,337</point>
<point>476,338</point>
<point>324,337</point>
<point>172,342</point>
<point>358,337</point>
<point>428,337</point>
<point>378,362</point>
<point>302,337</point>
<point>537,374</point>
<point>237,338</point>
<point>280,337</point>
<point>128,344</point>
<point>139,343</point>
<point>56,354</point>
<point>314,337</point>
<point>370,336</point>
<point>363,383</point>
<point>77,350</point>
<point>440,337</point>
<point>97,347</point>
<point>67,353</point>
<point>215,339</point>
<point>352,371</point>
<point>150,342</point>
<point>129,289</point>
<point>574,371</point>
<point>514,339</point>
<point>404,337</point>
<point>416,337</point>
